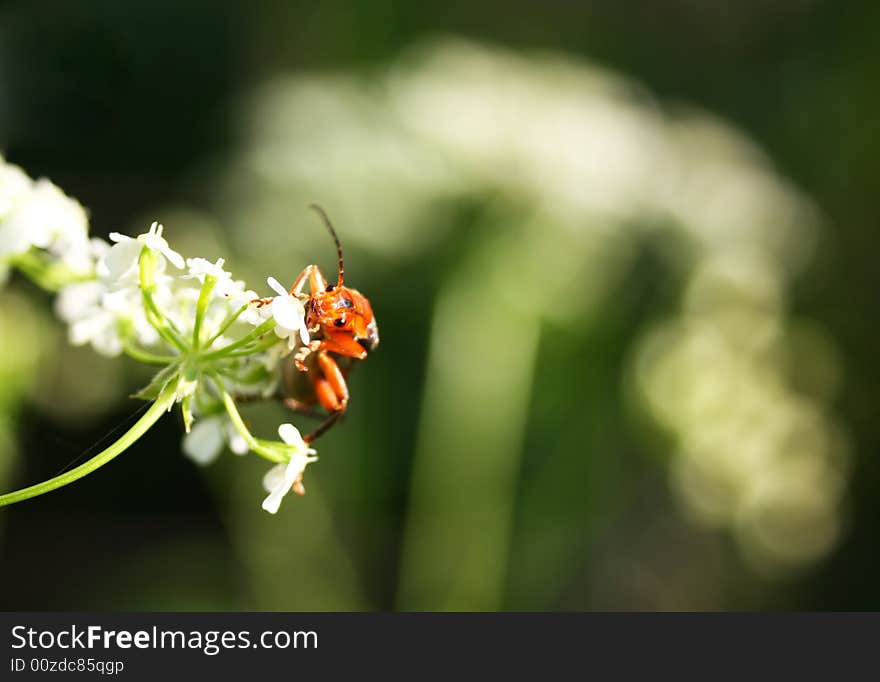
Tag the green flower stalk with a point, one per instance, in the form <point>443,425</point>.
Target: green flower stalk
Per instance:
<point>160,406</point>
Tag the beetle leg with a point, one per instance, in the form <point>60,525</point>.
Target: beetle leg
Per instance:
<point>331,391</point>
<point>323,428</point>
<point>329,384</point>
<point>302,408</point>
<point>300,358</point>
<point>312,275</point>
<point>298,406</point>
<point>344,345</point>
<point>317,283</point>
<point>325,394</point>
<point>334,377</point>
<point>300,282</point>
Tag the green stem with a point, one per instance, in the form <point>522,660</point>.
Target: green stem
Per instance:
<point>150,358</point>
<point>202,307</point>
<point>160,322</point>
<point>45,273</point>
<point>242,428</point>
<point>227,323</point>
<point>258,348</point>
<point>150,417</point>
<point>267,326</point>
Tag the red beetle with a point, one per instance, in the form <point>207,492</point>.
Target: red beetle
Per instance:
<point>343,329</point>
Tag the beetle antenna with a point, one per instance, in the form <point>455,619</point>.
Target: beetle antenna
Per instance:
<point>321,212</point>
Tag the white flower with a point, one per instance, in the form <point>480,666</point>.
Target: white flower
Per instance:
<point>67,224</point>
<point>14,187</point>
<point>95,310</point>
<point>238,295</point>
<point>289,315</point>
<point>199,268</point>
<point>119,266</point>
<point>94,315</point>
<point>80,305</point>
<point>208,436</point>
<point>154,241</point>
<point>282,477</point>
<point>39,214</point>
<point>127,304</point>
<point>77,300</point>
<point>83,257</point>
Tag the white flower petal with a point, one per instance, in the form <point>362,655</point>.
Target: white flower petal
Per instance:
<point>238,444</point>
<point>277,483</point>
<point>107,342</point>
<point>175,258</point>
<point>274,478</point>
<point>14,238</point>
<point>205,440</point>
<point>276,286</point>
<point>15,186</point>
<point>288,312</point>
<point>153,239</point>
<point>290,435</point>
<point>201,267</point>
<point>198,267</point>
<point>121,261</point>
<point>78,300</point>
<point>273,502</point>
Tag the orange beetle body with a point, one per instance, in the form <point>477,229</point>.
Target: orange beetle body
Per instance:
<point>343,328</point>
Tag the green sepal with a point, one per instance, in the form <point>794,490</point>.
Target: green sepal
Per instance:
<point>158,383</point>
<point>186,411</point>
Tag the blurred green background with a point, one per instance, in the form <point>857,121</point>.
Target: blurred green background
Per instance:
<point>622,258</point>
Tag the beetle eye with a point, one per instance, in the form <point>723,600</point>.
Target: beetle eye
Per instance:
<point>339,322</point>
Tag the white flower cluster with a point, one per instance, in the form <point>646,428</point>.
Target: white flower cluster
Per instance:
<point>109,313</point>
<point>216,338</point>
<point>37,216</point>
